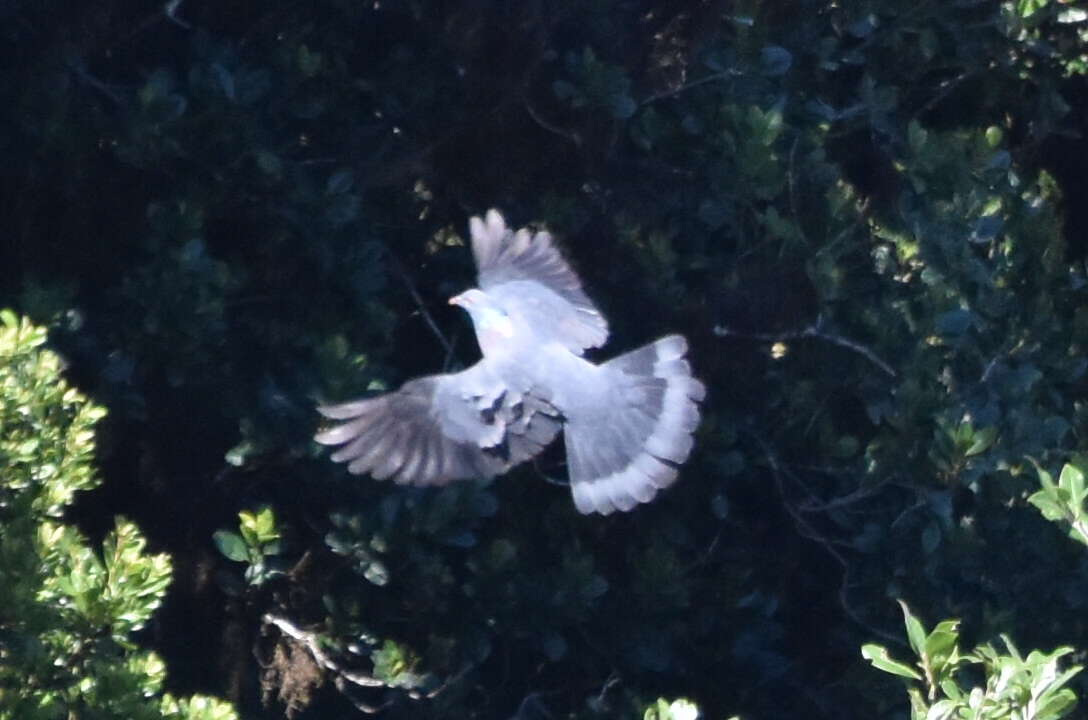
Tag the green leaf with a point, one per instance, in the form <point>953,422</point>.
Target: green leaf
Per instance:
<point>943,637</point>
<point>265,525</point>
<point>878,656</point>
<point>231,545</point>
<point>1045,501</point>
<point>9,319</point>
<point>981,441</point>
<point>916,634</point>
<point>1055,704</point>
<point>1072,480</point>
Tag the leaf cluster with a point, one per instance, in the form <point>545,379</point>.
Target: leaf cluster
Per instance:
<point>69,610</point>
<point>1009,686</point>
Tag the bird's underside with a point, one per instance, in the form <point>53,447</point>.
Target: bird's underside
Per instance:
<point>627,423</point>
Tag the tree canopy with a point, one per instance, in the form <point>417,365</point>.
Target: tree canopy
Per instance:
<point>867,219</point>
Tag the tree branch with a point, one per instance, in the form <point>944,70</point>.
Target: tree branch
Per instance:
<point>693,84</point>
<point>813,331</point>
<point>555,129</point>
<point>805,529</point>
<point>399,269</point>
<point>310,642</point>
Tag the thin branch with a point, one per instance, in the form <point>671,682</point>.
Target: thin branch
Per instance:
<point>611,682</point>
<point>812,331</point>
<point>361,706</point>
<point>861,217</point>
<point>945,89</point>
<point>93,82</point>
<point>918,505</point>
<point>859,495</point>
<point>683,88</point>
<point>704,558</point>
<point>171,11</point>
<point>807,530</point>
<point>555,129</point>
<point>852,345</point>
<point>532,701</point>
<point>417,695</point>
<point>311,643</point>
<point>343,675</point>
<point>399,269</point>
<point>449,353</point>
<point>792,184</point>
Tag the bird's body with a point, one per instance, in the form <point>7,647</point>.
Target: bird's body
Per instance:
<point>627,422</point>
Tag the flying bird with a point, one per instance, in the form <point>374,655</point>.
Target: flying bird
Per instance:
<point>627,423</point>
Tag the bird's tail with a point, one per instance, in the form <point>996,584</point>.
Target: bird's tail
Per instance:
<point>622,453</point>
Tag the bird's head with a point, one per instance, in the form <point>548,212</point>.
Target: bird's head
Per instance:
<point>488,317</point>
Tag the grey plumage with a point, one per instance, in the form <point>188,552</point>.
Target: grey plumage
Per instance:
<point>627,423</point>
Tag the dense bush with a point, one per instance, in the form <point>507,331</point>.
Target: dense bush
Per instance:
<point>67,611</point>
<point>865,217</point>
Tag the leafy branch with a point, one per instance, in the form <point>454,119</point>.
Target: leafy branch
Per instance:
<point>1015,687</point>
<point>1063,502</point>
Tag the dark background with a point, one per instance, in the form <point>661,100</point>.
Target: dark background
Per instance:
<point>868,219</point>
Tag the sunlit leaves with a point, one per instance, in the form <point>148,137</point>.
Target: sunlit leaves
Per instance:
<point>1014,687</point>
<point>1063,502</point>
<point>68,610</point>
<point>679,709</point>
<point>257,543</point>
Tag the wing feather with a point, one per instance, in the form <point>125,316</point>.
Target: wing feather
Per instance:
<point>441,428</point>
<point>528,274</point>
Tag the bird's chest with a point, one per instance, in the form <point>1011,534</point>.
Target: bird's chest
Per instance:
<point>496,335</point>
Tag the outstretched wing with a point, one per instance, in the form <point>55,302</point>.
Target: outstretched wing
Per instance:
<point>526,273</point>
<point>441,428</point>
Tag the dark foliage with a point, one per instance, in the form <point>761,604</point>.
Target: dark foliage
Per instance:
<point>857,215</point>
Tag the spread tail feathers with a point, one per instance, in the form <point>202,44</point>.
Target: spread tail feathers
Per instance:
<point>633,448</point>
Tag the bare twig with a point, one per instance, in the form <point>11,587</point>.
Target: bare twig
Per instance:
<point>361,706</point>
<point>399,269</point>
<point>792,184</point>
<point>704,558</point>
<point>812,331</point>
<point>945,89</point>
<point>417,695</point>
<point>611,682</point>
<point>449,353</point>
<point>918,505</point>
<point>683,88</point>
<point>171,11</point>
<point>310,641</point>
<point>532,701</point>
<point>859,495</point>
<point>345,677</point>
<point>555,129</point>
<point>93,82</point>
<point>807,530</point>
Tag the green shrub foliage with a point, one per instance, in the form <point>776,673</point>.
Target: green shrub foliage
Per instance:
<point>1012,686</point>
<point>866,217</point>
<point>68,611</point>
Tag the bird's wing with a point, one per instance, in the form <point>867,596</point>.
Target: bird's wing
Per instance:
<point>528,275</point>
<point>441,428</point>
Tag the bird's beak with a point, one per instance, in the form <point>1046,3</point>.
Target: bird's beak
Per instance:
<point>458,300</point>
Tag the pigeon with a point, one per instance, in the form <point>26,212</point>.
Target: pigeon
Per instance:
<point>627,423</point>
